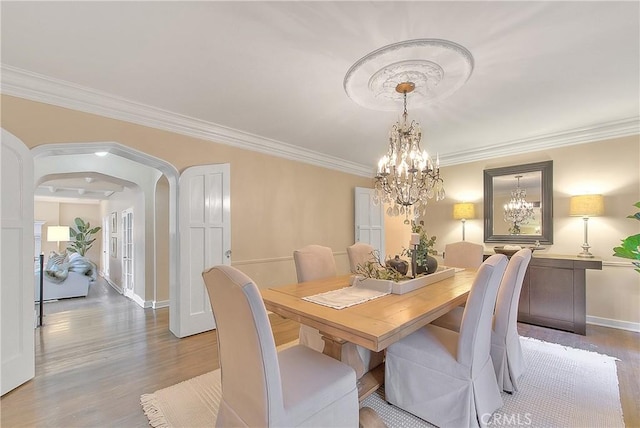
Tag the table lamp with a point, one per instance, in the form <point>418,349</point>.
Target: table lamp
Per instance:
<point>57,234</point>
<point>464,211</point>
<point>586,206</point>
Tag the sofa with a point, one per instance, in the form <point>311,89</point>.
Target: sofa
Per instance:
<point>66,275</point>
<point>75,285</point>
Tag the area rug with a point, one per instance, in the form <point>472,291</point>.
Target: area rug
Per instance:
<point>562,387</point>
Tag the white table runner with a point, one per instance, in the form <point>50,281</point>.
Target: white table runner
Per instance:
<point>348,296</point>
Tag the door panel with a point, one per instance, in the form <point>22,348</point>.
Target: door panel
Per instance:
<point>17,275</point>
<point>205,239</point>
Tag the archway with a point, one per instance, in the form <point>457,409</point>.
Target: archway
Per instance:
<point>166,169</point>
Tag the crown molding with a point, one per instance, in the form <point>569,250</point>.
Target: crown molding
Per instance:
<point>590,134</point>
<point>36,87</point>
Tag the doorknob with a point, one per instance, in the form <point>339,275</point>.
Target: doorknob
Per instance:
<point>228,254</point>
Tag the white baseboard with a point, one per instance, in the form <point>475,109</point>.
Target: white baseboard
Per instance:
<point>113,285</point>
<point>160,304</point>
<point>621,325</point>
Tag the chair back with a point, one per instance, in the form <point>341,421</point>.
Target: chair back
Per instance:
<point>474,341</point>
<point>359,253</point>
<point>506,313</point>
<point>251,385</point>
<point>314,262</point>
<point>463,254</point>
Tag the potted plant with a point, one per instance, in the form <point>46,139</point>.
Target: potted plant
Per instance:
<point>630,248</point>
<point>83,236</point>
<point>425,263</point>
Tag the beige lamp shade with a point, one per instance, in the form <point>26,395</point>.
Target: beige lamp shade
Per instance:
<point>465,210</point>
<point>586,206</point>
<point>58,233</point>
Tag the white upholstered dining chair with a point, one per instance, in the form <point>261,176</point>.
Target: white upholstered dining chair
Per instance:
<point>263,387</point>
<point>313,262</point>
<point>445,377</point>
<point>317,262</point>
<point>506,352</point>
<point>463,254</point>
<point>359,253</point>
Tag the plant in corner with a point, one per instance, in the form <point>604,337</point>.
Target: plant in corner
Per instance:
<point>83,235</point>
<point>630,248</point>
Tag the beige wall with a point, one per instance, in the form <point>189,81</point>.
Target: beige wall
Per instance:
<point>608,167</point>
<point>277,205</point>
<point>64,214</point>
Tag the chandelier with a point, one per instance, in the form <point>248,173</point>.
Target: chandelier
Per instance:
<point>518,211</point>
<point>407,177</point>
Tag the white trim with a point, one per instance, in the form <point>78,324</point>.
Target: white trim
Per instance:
<point>142,303</point>
<point>612,263</point>
<point>275,259</point>
<point>619,324</point>
<point>588,134</point>
<point>37,87</point>
<point>112,284</point>
<point>160,304</point>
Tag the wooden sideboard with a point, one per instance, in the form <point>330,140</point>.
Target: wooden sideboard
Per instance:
<point>554,291</point>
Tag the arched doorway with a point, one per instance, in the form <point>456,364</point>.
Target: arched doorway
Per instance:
<point>45,166</point>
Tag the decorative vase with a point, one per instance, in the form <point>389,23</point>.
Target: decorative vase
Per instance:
<point>402,266</point>
<point>429,267</point>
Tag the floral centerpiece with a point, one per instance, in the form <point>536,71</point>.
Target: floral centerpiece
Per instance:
<point>423,251</point>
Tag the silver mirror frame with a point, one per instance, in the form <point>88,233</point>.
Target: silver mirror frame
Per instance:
<point>546,236</point>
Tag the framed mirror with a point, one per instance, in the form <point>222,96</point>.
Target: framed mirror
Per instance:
<point>518,204</point>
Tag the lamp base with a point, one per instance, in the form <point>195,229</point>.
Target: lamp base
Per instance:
<point>586,255</point>
<point>585,252</point>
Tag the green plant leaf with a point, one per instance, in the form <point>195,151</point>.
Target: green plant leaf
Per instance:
<point>630,248</point>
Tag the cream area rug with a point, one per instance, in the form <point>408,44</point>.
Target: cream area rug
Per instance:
<point>562,387</point>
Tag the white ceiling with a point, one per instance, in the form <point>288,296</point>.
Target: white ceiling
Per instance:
<point>90,187</point>
<point>269,75</point>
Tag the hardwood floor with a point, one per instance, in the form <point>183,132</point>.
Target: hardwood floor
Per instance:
<point>96,356</point>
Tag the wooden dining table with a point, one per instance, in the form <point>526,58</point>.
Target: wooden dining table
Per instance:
<point>374,324</point>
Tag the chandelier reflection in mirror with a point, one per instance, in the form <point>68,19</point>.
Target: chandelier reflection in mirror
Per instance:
<point>518,211</point>
<point>407,177</point>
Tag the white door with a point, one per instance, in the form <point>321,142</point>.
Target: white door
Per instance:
<point>127,253</point>
<point>205,241</point>
<point>369,220</point>
<point>106,232</point>
<point>17,274</point>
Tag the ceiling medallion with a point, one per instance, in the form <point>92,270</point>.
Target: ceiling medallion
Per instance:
<point>437,67</point>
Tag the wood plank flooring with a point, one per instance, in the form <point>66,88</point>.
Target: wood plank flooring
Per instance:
<point>96,356</point>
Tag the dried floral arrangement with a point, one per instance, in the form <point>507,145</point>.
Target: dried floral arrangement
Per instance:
<point>376,270</point>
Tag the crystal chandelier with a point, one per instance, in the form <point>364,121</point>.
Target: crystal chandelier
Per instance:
<point>407,177</point>
<point>518,211</point>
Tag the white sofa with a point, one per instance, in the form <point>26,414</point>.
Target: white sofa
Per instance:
<point>76,285</point>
